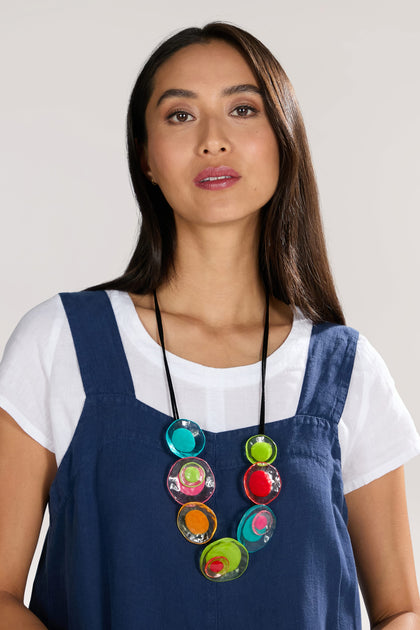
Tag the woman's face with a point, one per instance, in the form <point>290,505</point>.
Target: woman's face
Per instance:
<point>206,126</point>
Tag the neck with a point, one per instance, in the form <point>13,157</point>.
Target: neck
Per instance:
<point>216,279</point>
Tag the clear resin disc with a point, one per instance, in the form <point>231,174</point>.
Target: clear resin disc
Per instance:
<point>256,527</point>
<point>196,522</point>
<point>262,483</point>
<point>185,438</point>
<point>223,560</point>
<point>191,479</point>
<point>260,449</point>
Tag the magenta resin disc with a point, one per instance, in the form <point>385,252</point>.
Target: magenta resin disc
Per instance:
<point>191,479</point>
<point>262,483</point>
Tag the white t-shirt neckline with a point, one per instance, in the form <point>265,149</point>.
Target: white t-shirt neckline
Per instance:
<point>277,361</point>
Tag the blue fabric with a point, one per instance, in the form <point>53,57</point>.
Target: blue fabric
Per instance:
<point>113,558</point>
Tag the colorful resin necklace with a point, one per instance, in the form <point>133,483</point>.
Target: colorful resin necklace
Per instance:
<point>191,483</point>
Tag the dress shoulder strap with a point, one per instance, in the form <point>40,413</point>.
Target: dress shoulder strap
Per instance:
<point>102,361</point>
<point>329,366</point>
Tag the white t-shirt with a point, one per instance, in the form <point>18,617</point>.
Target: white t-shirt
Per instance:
<point>41,388</point>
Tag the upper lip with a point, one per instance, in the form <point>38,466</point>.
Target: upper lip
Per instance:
<point>216,171</point>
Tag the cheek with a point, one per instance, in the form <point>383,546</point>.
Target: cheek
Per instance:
<point>166,162</point>
<point>265,155</point>
<point>269,145</point>
<point>262,142</point>
<point>165,156</point>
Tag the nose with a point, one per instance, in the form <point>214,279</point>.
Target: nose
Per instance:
<point>212,138</point>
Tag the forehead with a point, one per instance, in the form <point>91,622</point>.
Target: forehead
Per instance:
<point>215,63</point>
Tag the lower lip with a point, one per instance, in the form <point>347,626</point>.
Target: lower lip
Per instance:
<point>218,184</point>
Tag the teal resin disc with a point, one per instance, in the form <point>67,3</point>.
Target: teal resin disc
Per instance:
<point>256,527</point>
<point>185,438</point>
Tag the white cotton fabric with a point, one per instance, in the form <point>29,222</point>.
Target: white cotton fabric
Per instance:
<point>41,388</point>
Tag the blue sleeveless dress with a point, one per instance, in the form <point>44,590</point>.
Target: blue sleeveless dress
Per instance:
<point>113,558</point>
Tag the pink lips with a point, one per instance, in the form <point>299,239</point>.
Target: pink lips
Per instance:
<point>228,177</point>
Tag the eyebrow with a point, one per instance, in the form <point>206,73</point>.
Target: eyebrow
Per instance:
<point>229,91</point>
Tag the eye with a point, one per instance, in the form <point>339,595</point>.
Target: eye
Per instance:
<point>245,107</point>
<point>177,113</point>
<point>180,116</point>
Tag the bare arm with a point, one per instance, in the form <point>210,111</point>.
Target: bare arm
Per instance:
<point>26,473</point>
<point>380,534</point>
<point>405,621</point>
<point>14,614</point>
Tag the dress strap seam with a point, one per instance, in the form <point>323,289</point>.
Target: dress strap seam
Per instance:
<point>100,352</point>
<point>329,366</point>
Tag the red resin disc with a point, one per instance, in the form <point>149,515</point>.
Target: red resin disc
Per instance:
<point>262,483</point>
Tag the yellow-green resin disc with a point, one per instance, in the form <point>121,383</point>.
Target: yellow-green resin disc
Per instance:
<point>223,560</point>
<point>260,449</point>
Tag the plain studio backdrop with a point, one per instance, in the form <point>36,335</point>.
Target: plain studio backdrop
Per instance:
<point>68,214</point>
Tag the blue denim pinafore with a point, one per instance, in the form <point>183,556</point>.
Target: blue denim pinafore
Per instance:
<point>113,558</point>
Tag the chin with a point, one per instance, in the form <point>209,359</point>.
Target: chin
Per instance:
<point>224,216</point>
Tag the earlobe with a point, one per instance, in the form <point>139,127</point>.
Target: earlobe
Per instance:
<point>143,159</point>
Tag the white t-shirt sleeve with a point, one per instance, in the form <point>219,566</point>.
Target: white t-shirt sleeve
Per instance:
<point>26,367</point>
<point>377,431</point>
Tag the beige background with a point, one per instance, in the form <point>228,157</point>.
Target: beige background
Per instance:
<point>68,216</point>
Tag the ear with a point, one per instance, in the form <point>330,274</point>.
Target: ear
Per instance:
<point>143,158</point>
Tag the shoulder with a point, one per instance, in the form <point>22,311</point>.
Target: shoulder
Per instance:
<point>38,322</point>
<point>49,308</point>
<point>370,363</point>
<point>35,336</point>
<point>369,366</point>
<point>330,336</point>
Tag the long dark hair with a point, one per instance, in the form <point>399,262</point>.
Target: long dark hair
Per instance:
<point>292,253</point>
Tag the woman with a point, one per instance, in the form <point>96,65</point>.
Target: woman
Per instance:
<point>231,255</point>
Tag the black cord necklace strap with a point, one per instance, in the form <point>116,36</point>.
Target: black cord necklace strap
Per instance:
<point>162,343</point>
<point>263,362</point>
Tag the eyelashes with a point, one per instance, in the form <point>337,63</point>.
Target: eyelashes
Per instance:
<point>170,116</point>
